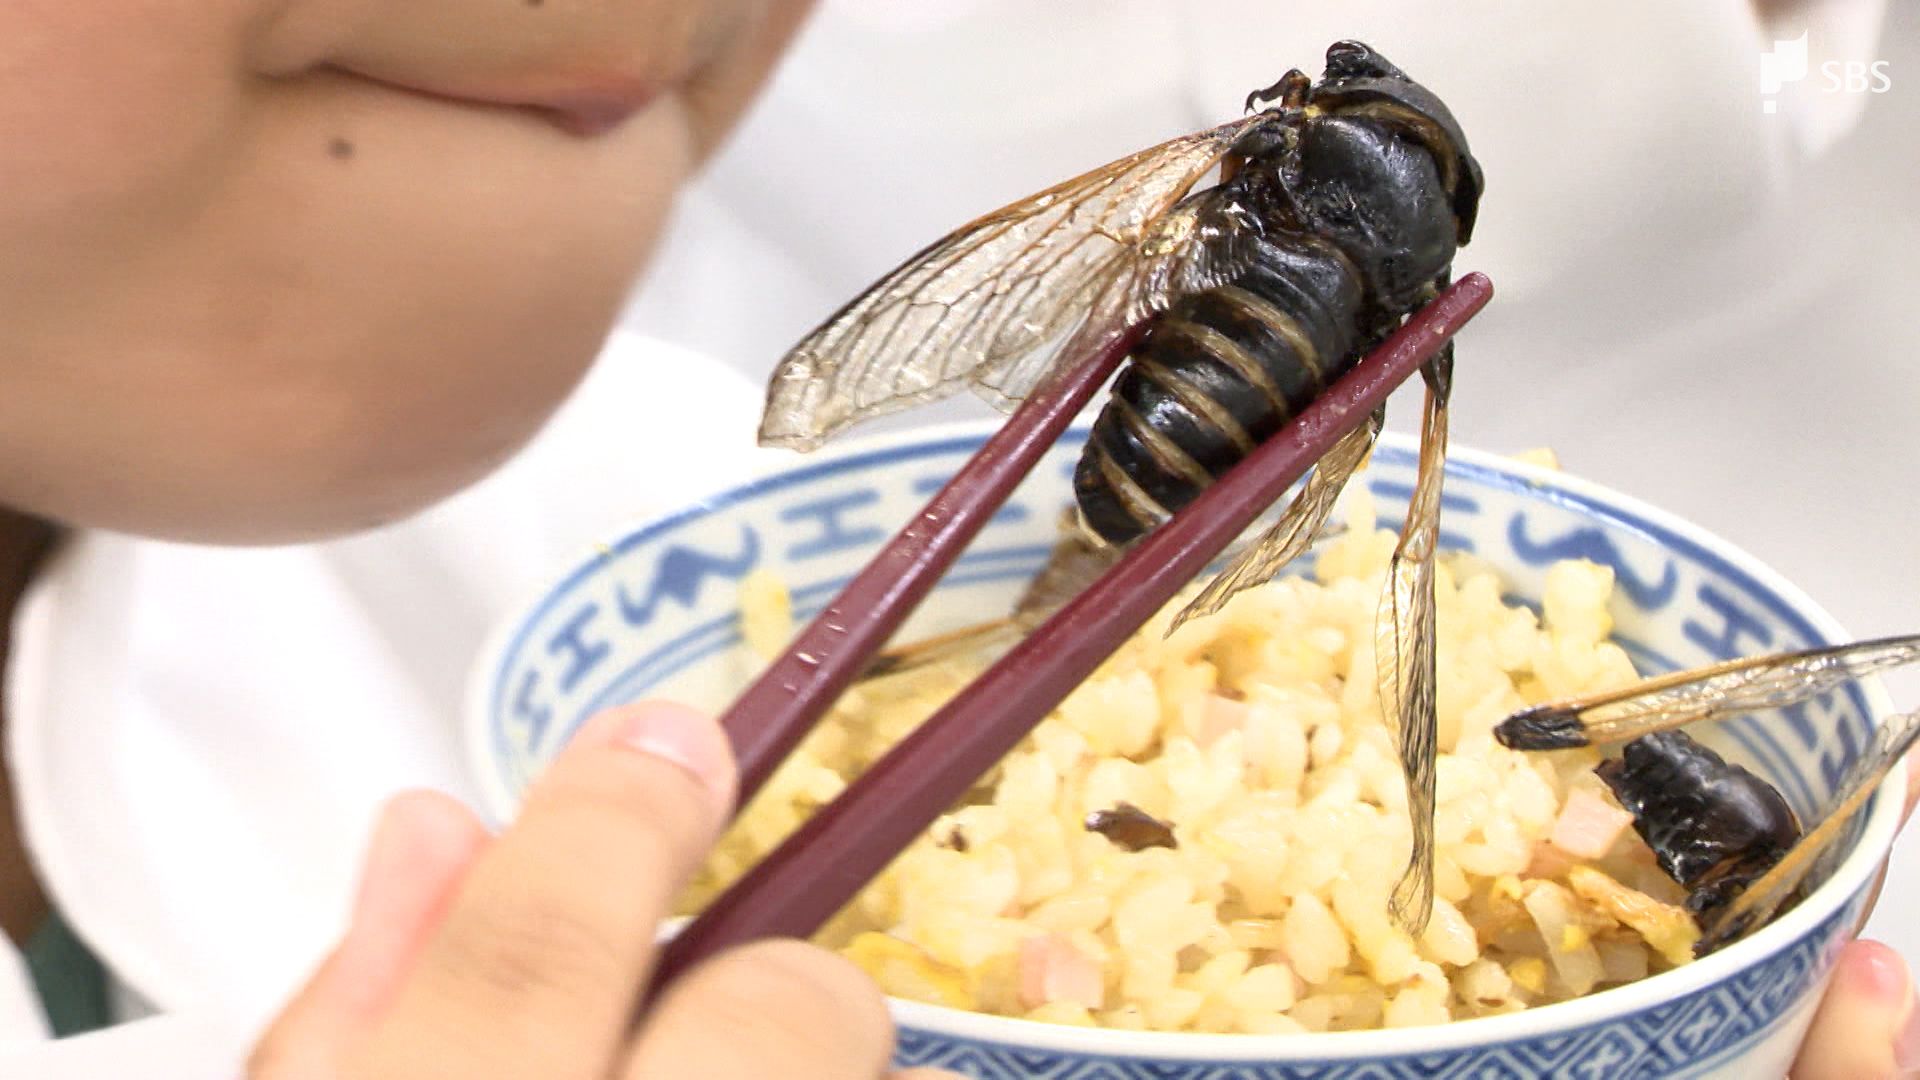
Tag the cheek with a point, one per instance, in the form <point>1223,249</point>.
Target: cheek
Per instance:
<point>237,451</point>
<point>108,103</point>
<point>381,442</point>
<point>331,341</point>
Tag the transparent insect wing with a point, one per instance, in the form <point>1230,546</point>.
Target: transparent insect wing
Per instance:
<point>1404,649</point>
<point>1718,691</point>
<point>1209,239</point>
<point>1759,901</point>
<point>1076,560</point>
<point>1300,524</point>
<point>993,304</point>
<point>965,641</point>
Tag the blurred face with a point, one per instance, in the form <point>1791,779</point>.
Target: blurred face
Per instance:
<point>277,268</point>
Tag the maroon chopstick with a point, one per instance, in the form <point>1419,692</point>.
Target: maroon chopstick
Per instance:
<point>835,853</point>
<point>797,689</point>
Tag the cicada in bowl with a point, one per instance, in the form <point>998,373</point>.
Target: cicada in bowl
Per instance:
<point>1722,833</point>
<point>1336,209</point>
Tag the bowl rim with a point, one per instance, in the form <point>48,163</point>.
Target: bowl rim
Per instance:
<point>1611,1005</point>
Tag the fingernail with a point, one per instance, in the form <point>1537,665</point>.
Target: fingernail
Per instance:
<point>686,737</point>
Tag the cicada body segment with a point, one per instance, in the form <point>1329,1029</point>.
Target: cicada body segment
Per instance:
<point>1714,826</point>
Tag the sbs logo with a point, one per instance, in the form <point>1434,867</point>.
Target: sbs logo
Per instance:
<point>1787,63</point>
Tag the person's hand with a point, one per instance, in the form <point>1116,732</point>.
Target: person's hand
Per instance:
<point>1867,1027</point>
<point>475,958</point>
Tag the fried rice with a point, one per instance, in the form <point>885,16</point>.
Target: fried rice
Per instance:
<point>1254,744</point>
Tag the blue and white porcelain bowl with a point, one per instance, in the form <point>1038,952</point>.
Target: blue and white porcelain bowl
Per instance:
<point>654,614</point>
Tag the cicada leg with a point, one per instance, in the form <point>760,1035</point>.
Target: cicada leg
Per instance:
<point>1300,524</point>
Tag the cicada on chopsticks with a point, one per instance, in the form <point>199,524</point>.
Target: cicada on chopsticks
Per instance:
<point>1338,208</point>
<point>1722,833</point>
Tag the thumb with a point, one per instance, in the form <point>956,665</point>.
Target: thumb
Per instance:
<point>1864,1029</point>
<point>420,851</point>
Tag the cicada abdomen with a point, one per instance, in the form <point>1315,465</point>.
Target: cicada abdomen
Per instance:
<point>1215,376</point>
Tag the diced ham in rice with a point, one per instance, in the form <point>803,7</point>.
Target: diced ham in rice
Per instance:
<point>1588,824</point>
<point>1051,969</point>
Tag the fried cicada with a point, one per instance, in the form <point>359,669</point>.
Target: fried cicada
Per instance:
<point>1722,833</point>
<point>1338,209</point>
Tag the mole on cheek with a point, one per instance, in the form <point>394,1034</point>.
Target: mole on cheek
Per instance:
<point>340,148</point>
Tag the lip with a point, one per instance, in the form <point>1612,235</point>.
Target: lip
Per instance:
<point>591,110</point>
<point>583,107</point>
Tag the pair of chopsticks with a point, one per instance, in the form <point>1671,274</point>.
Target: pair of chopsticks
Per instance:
<point>802,883</point>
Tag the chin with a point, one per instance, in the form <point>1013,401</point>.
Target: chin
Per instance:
<point>316,470</point>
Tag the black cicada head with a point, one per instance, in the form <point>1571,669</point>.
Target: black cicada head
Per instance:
<point>1361,82</point>
<point>1373,162</point>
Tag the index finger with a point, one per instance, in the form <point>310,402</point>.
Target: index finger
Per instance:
<point>538,966</point>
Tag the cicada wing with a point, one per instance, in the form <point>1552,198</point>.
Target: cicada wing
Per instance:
<point>966,641</point>
<point>1758,902</point>
<point>1077,558</point>
<point>1207,239</point>
<point>994,302</point>
<point>1404,649</point>
<point>1300,524</point>
<point>1718,691</point>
